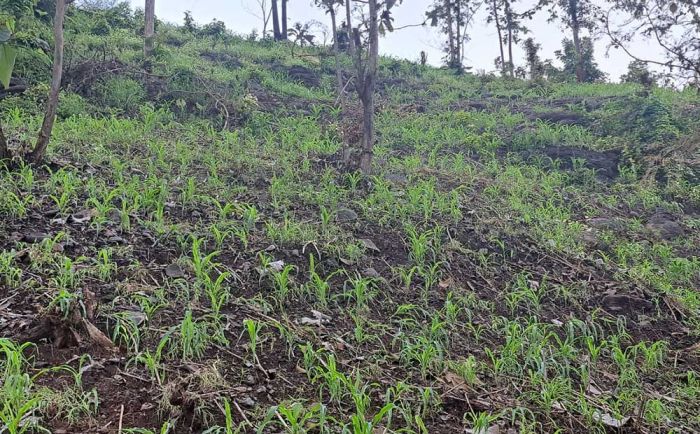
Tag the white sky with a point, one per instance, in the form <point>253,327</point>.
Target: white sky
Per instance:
<point>241,17</point>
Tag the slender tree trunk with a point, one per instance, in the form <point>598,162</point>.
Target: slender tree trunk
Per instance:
<point>509,23</point>
<point>575,27</point>
<point>450,34</point>
<point>336,54</point>
<point>275,21</point>
<point>347,150</point>
<point>283,36</point>
<point>367,95</point>
<point>460,45</point>
<point>52,104</point>
<point>511,65</point>
<point>150,28</point>
<point>4,151</point>
<point>500,34</point>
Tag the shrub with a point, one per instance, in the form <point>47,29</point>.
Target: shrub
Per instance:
<point>121,93</point>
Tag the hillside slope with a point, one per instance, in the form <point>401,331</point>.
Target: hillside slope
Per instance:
<point>194,256</point>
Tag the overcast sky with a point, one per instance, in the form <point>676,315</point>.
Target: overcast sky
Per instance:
<point>242,16</point>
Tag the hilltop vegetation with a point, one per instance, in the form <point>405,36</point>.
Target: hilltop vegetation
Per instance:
<point>194,256</point>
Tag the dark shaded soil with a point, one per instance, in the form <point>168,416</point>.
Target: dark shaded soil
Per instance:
<point>605,163</point>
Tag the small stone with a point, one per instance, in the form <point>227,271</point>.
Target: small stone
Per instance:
<point>174,271</point>
<point>369,244</point>
<point>247,401</point>
<point>371,272</point>
<point>345,215</point>
<point>34,237</point>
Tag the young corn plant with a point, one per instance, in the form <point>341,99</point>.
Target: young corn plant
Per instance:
<point>254,329</point>
<point>282,284</point>
<point>19,402</point>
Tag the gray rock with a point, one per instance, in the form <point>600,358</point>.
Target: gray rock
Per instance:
<point>371,272</point>
<point>174,271</point>
<point>345,215</point>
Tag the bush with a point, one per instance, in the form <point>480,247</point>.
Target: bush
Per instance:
<point>71,104</point>
<point>121,93</point>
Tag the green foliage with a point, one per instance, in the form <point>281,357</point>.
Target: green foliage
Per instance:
<point>567,55</point>
<point>121,93</point>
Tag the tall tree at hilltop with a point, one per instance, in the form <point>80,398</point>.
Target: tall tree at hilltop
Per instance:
<point>283,26</point>
<point>276,32</point>
<point>453,17</point>
<point>150,27</point>
<point>577,15</point>
<point>494,17</point>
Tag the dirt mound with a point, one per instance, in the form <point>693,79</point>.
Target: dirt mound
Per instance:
<point>605,163</point>
<point>300,74</point>
<point>225,59</point>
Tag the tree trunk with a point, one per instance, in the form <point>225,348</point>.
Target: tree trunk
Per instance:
<point>284,20</point>
<point>460,47</point>
<point>4,151</point>
<point>336,49</point>
<point>347,150</point>
<point>509,23</point>
<point>367,95</point>
<point>575,27</point>
<point>150,28</point>
<point>52,104</point>
<point>511,65</point>
<point>275,21</point>
<point>450,34</point>
<point>500,34</point>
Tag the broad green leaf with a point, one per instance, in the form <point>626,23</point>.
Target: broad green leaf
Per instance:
<point>8,55</point>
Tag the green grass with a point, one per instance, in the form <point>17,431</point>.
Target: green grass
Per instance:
<point>485,295</point>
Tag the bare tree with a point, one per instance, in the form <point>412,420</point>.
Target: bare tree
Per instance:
<point>671,26</point>
<point>577,15</point>
<point>150,27</point>
<point>494,17</point>
<point>265,14</point>
<point>454,16</point>
<point>52,104</point>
